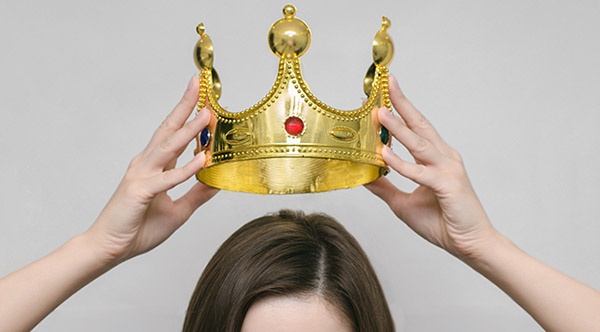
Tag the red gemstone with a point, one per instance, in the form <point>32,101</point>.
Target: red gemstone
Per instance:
<point>294,125</point>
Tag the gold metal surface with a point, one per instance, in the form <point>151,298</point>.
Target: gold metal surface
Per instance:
<point>369,78</point>
<point>383,47</point>
<point>216,84</point>
<point>289,35</point>
<point>203,52</point>
<point>251,151</point>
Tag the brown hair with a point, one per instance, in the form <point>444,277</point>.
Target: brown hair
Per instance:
<point>287,254</point>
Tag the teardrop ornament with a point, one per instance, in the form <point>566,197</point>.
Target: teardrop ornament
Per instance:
<point>369,78</point>
<point>203,51</point>
<point>383,47</point>
<point>216,84</point>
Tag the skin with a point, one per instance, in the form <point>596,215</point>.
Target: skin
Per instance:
<point>294,314</point>
<point>139,216</point>
<point>444,210</point>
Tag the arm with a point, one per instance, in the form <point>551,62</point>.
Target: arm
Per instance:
<point>556,301</point>
<point>139,216</point>
<point>445,210</point>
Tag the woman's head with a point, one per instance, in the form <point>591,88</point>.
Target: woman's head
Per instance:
<point>290,257</point>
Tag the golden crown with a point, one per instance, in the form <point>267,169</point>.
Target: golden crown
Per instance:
<point>290,141</point>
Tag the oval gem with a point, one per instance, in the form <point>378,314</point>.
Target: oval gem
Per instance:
<point>205,137</point>
<point>384,135</point>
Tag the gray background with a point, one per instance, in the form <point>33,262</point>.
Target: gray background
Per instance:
<point>512,85</point>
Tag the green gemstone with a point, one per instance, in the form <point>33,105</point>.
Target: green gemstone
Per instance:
<point>384,135</point>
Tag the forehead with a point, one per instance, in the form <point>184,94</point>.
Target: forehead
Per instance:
<point>294,314</point>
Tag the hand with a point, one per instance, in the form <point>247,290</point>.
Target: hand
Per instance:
<point>444,209</point>
<point>140,215</point>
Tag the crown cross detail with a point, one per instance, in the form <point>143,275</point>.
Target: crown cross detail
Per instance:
<point>290,141</point>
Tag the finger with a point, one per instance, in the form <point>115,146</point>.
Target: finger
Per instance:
<point>387,191</point>
<point>420,174</point>
<point>172,146</point>
<point>194,198</point>
<point>170,165</point>
<point>180,113</point>
<point>420,148</point>
<point>413,118</point>
<point>169,179</point>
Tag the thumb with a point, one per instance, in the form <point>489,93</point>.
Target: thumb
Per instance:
<point>193,199</point>
<point>385,190</point>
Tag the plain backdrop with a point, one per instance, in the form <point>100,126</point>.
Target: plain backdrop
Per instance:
<point>512,85</point>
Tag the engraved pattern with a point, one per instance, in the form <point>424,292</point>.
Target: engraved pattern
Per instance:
<point>343,134</point>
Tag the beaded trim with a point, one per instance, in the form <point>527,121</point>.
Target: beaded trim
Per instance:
<point>291,151</point>
<point>289,69</point>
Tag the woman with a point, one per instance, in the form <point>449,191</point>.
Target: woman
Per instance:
<point>443,209</point>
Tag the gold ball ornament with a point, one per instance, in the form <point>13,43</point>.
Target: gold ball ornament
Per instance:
<point>289,35</point>
<point>289,11</point>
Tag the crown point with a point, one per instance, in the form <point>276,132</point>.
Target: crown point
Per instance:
<point>289,11</point>
<point>200,29</point>
<point>385,23</point>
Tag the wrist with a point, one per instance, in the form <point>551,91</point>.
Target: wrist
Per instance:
<point>489,251</point>
<point>96,253</point>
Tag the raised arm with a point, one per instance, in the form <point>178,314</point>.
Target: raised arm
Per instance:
<point>139,216</point>
<point>445,210</point>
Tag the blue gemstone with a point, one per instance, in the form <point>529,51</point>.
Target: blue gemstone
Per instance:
<point>205,137</point>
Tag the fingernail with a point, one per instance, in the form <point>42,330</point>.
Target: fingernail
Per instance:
<point>199,155</point>
<point>191,82</point>
<point>387,113</point>
<point>202,111</point>
<point>395,81</point>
